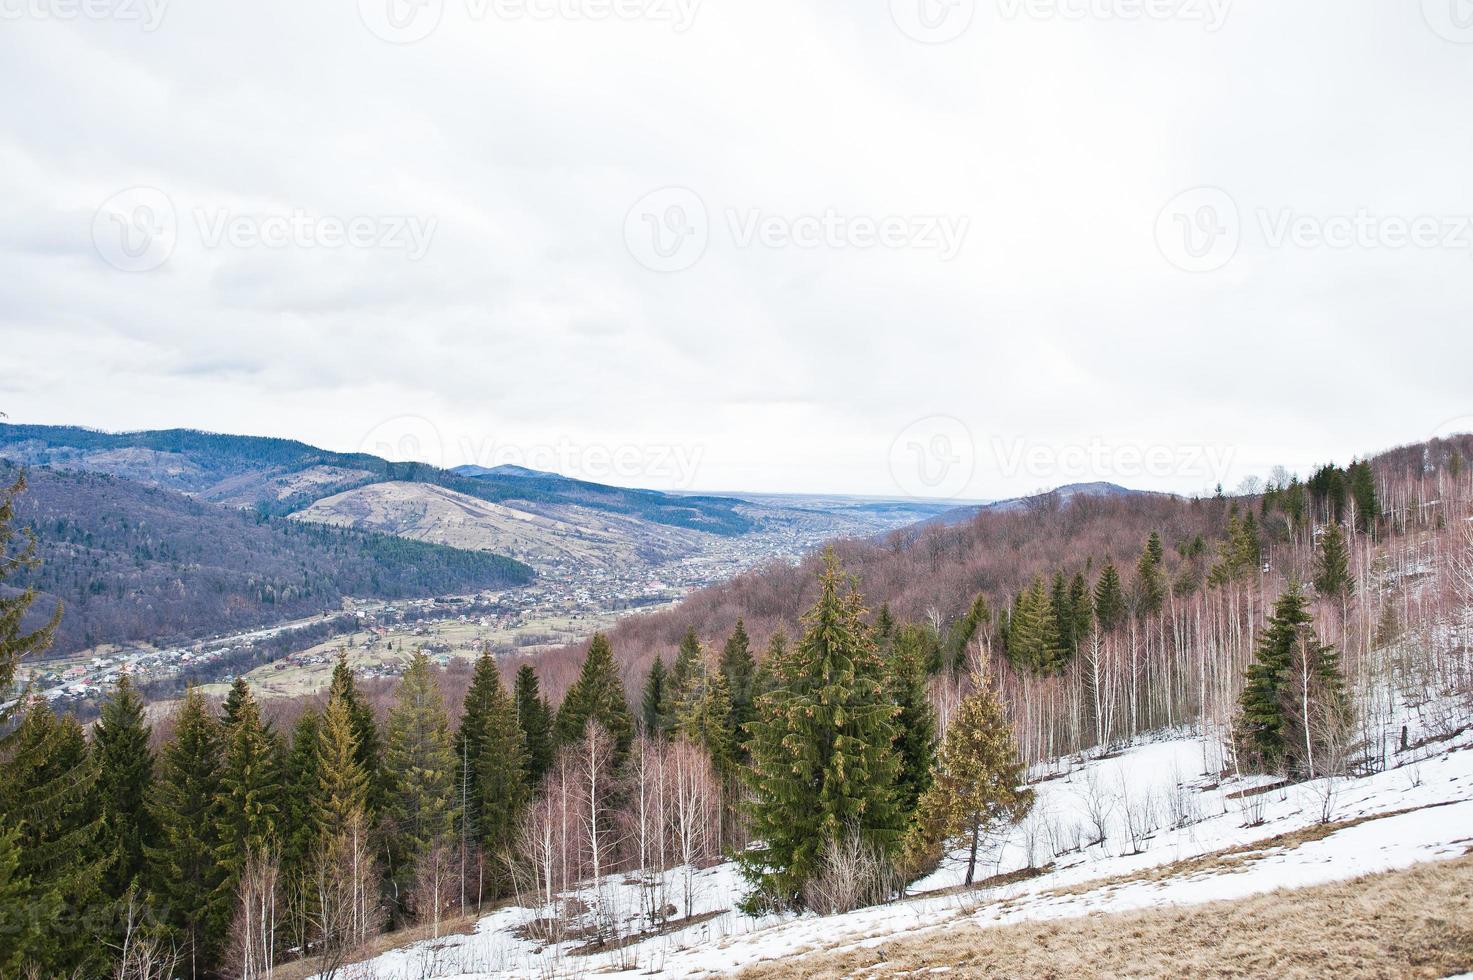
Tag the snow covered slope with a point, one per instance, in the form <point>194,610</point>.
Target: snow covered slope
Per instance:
<point>1171,835</point>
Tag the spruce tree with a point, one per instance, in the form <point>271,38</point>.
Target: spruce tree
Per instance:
<point>49,779</point>
<point>1150,581</point>
<point>125,780</point>
<point>1261,729</point>
<point>915,723</point>
<point>823,767</point>
<point>1109,599</point>
<point>299,781</point>
<point>492,775</point>
<point>1033,633</point>
<point>654,709</point>
<point>535,719</point>
<point>1332,564</point>
<point>1154,550</point>
<point>705,720</point>
<point>976,621</point>
<point>739,669</point>
<point>419,771</point>
<point>19,925</point>
<point>1081,611</point>
<point>978,782</point>
<point>365,733</point>
<point>1363,492</point>
<point>185,869</point>
<point>685,676</point>
<point>340,794</point>
<point>597,696</point>
<point>250,788</point>
<point>1063,613</point>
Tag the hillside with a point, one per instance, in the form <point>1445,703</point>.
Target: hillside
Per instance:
<point>137,562</point>
<point>280,476</point>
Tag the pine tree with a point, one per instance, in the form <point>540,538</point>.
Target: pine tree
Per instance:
<point>125,780</point>
<point>250,788</point>
<point>492,759</point>
<point>739,669</point>
<point>597,696</point>
<point>534,717</point>
<point>365,733</point>
<point>915,723</point>
<point>654,707</point>
<point>823,768</point>
<point>184,867</point>
<point>419,770</point>
<point>1332,564</point>
<point>978,780</point>
<point>1109,599</point>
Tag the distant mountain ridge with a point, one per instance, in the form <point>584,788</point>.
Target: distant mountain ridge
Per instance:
<point>1063,494</point>
<point>280,476</point>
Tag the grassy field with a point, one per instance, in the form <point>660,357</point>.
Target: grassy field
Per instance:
<point>1412,923</point>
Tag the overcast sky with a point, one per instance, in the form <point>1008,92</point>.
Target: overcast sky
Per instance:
<point>885,247</point>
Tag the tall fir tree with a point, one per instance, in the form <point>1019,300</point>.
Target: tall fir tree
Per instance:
<point>185,869</point>
<point>1332,564</point>
<point>1363,493</point>
<point>22,929</point>
<point>685,675</point>
<point>978,783</point>
<point>1081,611</point>
<point>823,766</point>
<point>654,707</point>
<point>597,695</point>
<point>972,626</point>
<point>1261,728</point>
<point>915,722</point>
<point>1033,632</point>
<point>299,834</point>
<point>535,719</point>
<point>340,793</point>
<point>419,771</point>
<point>1150,580</point>
<point>705,719</point>
<point>365,733</point>
<point>125,781</point>
<point>739,669</point>
<point>491,773</point>
<point>250,787</point>
<point>1110,606</point>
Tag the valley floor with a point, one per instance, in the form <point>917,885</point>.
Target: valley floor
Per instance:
<point>1174,841</point>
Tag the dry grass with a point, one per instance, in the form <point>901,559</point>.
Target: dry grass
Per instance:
<point>459,925</point>
<point>1412,923</point>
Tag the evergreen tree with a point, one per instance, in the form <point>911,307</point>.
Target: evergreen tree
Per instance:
<point>1154,550</point>
<point>1081,611</point>
<point>597,696</point>
<point>125,780</point>
<point>50,779</point>
<point>739,670</point>
<point>299,780</point>
<point>1363,492</point>
<point>340,794</point>
<point>915,723</point>
<point>535,719</point>
<point>17,553</point>
<point>365,733</point>
<point>823,767</point>
<point>1150,581</point>
<point>1109,599</point>
<point>685,676</point>
<point>1262,730</point>
<point>250,788</point>
<point>1332,564</point>
<point>654,706</point>
<point>978,783</point>
<point>972,625</point>
<point>492,758</point>
<point>419,771</point>
<point>1033,632</point>
<point>21,928</point>
<point>184,867</point>
<point>1063,613</point>
<point>705,720</point>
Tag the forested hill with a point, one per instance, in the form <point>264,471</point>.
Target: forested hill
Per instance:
<point>135,562</point>
<point>933,573</point>
<point>280,476</point>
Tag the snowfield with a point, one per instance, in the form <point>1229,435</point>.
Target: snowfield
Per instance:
<point>1154,804</point>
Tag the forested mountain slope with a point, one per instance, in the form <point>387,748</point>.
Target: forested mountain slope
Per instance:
<point>280,476</point>
<point>135,562</point>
